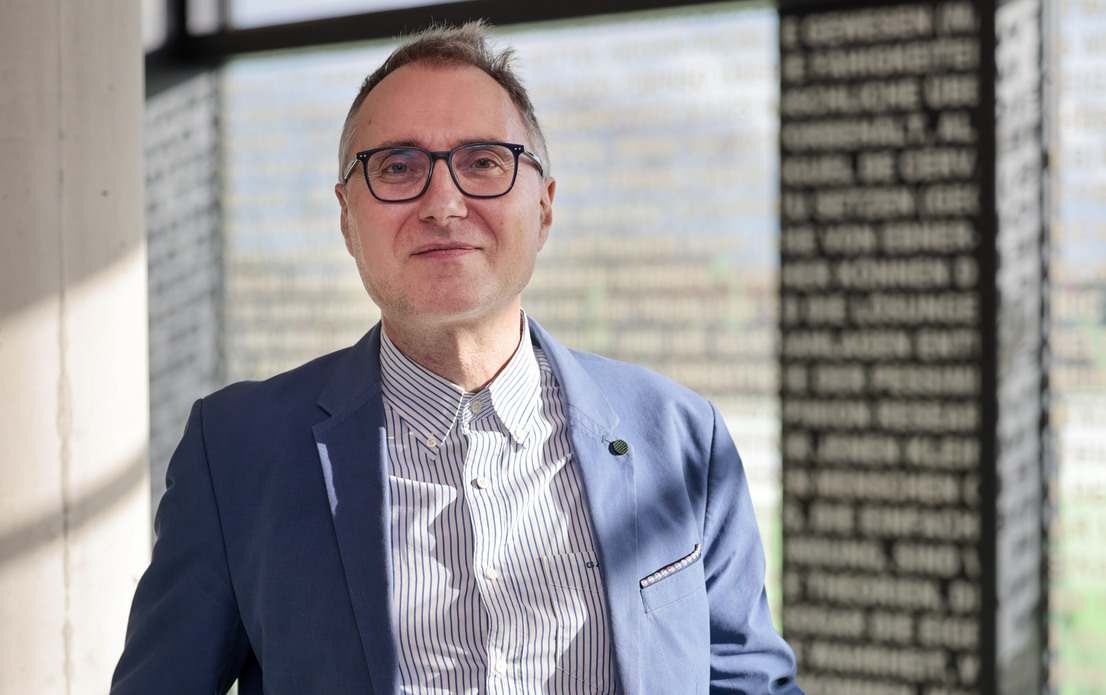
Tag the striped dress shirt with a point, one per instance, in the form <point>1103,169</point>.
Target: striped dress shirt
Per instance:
<point>496,585</point>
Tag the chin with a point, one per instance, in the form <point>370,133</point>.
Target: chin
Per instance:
<point>453,307</point>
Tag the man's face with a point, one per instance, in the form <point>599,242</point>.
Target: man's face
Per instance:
<point>443,258</point>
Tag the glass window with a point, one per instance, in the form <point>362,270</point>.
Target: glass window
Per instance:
<point>255,13</point>
<point>1078,341</point>
<point>154,26</point>
<point>645,262</point>
<point>204,16</point>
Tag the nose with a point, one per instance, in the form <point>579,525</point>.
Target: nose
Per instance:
<point>442,200</point>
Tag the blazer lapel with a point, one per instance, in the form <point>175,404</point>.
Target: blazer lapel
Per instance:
<point>352,453</point>
<point>612,501</point>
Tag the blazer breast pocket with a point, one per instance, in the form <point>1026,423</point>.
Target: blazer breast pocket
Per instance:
<point>673,582</point>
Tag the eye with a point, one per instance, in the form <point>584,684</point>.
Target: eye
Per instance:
<point>397,165</point>
<point>484,161</point>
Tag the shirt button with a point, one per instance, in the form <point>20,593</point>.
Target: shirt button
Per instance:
<point>500,667</point>
<point>490,573</point>
<point>476,406</point>
<point>432,442</point>
<point>481,483</point>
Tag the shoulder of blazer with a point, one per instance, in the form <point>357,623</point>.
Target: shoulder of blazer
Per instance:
<point>287,400</point>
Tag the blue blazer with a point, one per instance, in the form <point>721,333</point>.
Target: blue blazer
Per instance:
<point>272,563</point>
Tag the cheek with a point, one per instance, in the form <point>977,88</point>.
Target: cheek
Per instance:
<point>375,235</point>
<point>367,254</point>
<point>522,230</point>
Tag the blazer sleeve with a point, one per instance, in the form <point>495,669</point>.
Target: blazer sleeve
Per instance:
<point>747,656</point>
<point>184,634</point>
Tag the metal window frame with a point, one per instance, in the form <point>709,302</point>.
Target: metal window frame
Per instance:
<point>183,54</point>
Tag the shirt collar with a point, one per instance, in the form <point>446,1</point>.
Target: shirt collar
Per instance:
<point>516,391</point>
<point>431,404</point>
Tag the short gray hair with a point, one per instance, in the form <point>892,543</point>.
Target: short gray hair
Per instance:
<point>454,45</point>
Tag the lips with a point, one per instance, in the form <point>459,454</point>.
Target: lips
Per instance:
<point>444,250</point>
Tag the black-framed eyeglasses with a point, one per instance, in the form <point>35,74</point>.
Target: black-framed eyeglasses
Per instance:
<point>480,169</point>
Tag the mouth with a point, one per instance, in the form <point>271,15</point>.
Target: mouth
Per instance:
<point>444,251</point>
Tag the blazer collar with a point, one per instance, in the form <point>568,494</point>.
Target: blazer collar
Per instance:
<point>356,376</point>
<point>588,406</point>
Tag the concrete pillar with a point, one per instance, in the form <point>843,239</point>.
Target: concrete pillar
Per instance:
<point>74,502</point>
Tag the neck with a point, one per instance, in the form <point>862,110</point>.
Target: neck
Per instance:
<point>470,354</point>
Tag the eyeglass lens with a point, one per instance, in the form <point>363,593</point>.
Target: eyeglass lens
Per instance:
<point>400,173</point>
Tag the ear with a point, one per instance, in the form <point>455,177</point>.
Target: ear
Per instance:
<point>549,190</point>
<point>340,193</point>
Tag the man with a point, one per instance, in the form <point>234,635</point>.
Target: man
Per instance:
<point>458,503</point>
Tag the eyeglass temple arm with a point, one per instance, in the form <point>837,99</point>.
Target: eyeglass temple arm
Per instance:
<point>537,161</point>
<point>349,170</point>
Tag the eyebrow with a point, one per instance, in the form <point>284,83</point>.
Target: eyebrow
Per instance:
<point>415,143</point>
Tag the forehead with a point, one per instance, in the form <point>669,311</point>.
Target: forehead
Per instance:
<point>437,106</point>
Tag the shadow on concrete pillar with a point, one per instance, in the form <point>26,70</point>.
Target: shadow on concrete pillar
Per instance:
<point>74,504</point>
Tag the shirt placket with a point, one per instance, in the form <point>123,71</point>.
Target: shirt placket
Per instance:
<point>484,450</point>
